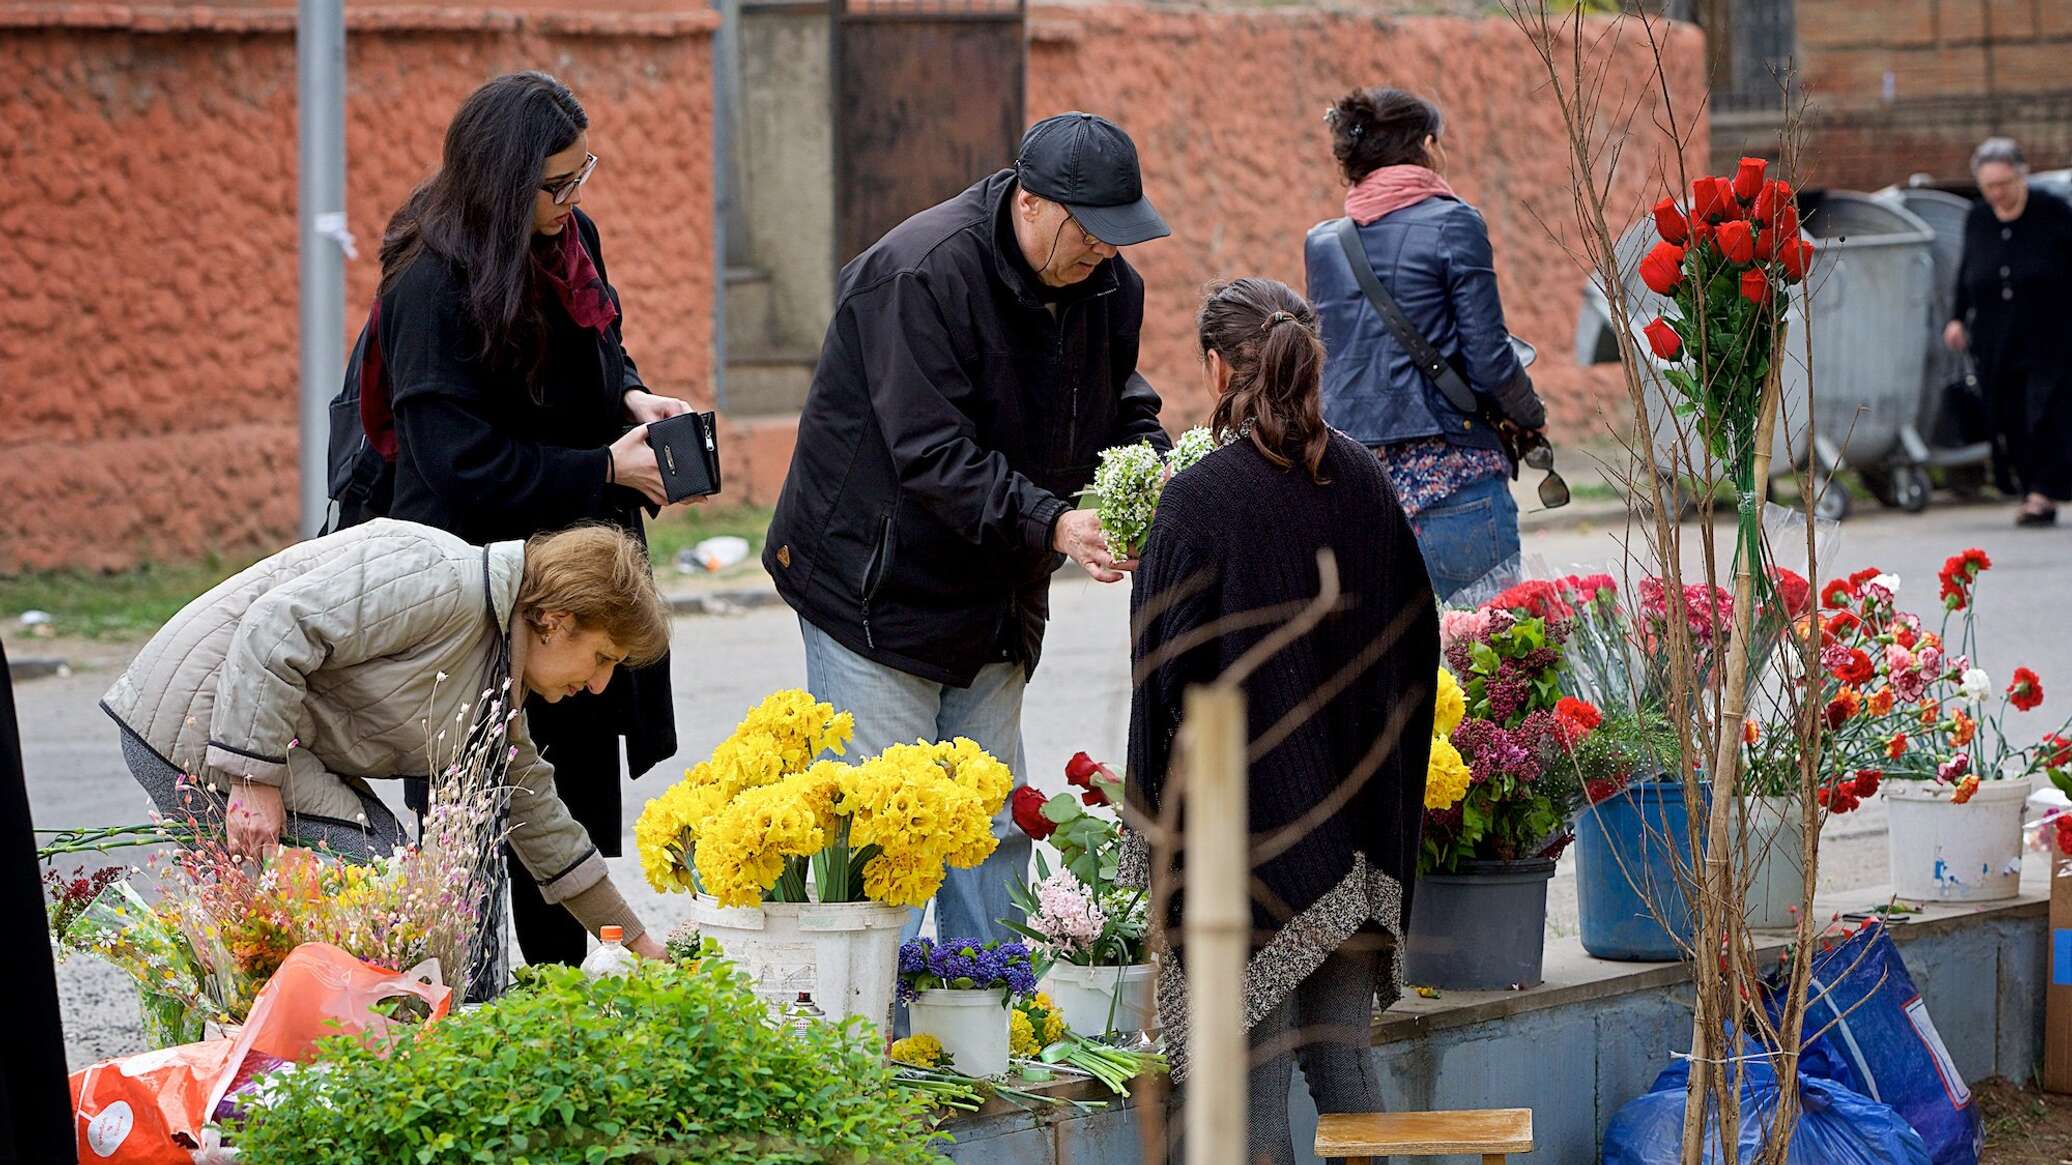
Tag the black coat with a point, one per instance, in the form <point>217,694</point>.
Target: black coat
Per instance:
<point>35,1099</point>
<point>952,418</point>
<point>2012,288</point>
<point>1347,705</point>
<point>490,458</point>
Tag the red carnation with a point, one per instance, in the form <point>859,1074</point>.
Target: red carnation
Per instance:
<point>1748,179</point>
<point>1849,665</point>
<point>1670,222</point>
<point>1663,339</point>
<point>1837,593</point>
<point>1662,269</point>
<point>1027,808</point>
<point>2027,689</point>
<point>1867,781</point>
<point>2059,751</point>
<point>1794,590</point>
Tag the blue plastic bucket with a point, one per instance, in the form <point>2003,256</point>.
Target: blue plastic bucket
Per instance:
<point>1628,850</point>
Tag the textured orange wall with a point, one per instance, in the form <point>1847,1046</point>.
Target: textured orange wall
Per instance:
<point>1226,109</point>
<point>148,360</point>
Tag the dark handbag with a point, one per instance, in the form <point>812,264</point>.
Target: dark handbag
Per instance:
<point>687,451</point>
<point>1445,377</point>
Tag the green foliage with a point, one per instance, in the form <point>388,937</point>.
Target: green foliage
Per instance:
<point>670,1063</point>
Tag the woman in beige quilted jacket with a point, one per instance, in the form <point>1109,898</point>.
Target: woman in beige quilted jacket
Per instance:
<point>283,691</point>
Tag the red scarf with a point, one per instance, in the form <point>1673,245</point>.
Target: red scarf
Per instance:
<point>1390,189</point>
<point>567,269</point>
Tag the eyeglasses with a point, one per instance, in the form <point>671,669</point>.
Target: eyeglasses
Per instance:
<point>1553,490</point>
<point>1085,236</point>
<point>565,188</point>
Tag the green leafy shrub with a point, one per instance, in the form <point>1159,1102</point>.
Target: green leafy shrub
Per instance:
<point>671,1063</point>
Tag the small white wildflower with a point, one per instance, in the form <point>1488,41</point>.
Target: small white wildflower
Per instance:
<point>440,678</point>
<point>1193,445</point>
<point>1126,488</point>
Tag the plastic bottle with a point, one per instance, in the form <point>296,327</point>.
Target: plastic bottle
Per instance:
<point>611,958</point>
<point>805,1013</point>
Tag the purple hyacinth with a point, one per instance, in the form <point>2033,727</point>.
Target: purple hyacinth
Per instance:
<point>913,956</point>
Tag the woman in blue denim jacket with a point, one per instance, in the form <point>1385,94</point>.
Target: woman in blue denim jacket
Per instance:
<point>1431,251</point>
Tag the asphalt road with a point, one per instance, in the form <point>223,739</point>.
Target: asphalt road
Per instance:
<point>1078,701</point>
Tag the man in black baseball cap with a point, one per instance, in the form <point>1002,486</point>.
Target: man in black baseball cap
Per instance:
<point>981,356</point>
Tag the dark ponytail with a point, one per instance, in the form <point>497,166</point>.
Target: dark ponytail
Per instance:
<point>1267,334</point>
<point>1372,128</point>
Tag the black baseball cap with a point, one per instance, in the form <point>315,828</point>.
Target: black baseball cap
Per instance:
<point>1088,164</point>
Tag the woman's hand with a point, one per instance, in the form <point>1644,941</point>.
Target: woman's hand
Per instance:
<point>1953,335</point>
<point>633,465</point>
<point>646,947</point>
<point>254,819</point>
<point>645,408</point>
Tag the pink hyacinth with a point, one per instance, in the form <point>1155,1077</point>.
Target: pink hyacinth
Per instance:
<point>1066,915</point>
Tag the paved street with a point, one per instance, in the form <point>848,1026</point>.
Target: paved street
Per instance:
<point>1079,701</point>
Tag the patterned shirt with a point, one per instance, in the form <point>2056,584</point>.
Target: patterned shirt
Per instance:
<point>1429,470</point>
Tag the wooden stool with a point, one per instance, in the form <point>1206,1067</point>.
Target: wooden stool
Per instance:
<point>1360,1137</point>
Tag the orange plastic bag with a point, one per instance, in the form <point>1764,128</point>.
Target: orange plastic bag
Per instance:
<point>147,1109</point>
<point>321,991</point>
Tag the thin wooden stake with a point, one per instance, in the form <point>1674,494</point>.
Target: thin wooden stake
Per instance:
<point>1217,925</point>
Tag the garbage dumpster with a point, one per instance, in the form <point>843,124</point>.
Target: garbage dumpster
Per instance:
<point>1945,373</point>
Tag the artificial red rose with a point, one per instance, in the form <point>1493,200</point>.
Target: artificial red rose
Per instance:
<point>1080,770</point>
<point>2027,689</point>
<point>1027,807</point>
<point>1670,222</point>
<point>1796,255</point>
<point>1769,200</point>
<point>1663,339</point>
<point>1703,233</point>
<point>1748,179</point>
<point>1765,245</point>
<point>1755,285</point>
<point>1662,269</point>
<point>1705,200</point>
<point>1737,242</point>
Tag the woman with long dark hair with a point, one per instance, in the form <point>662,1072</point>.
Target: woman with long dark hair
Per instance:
<point>1430,250</point>
<point>1340,719</point>
<point>517,410</point>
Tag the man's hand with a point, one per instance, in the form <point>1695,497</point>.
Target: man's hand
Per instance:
<point>1078,537</point>
<point>254,819</point>
<point>645,408</point>
<point>646,947</point>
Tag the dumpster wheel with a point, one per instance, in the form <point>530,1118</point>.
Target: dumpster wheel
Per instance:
<point>1830,499</point>
<point>1900,487</point>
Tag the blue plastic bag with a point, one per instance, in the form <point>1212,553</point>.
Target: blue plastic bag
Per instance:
<point>1885,1047</point>
<point>1836,1126</point>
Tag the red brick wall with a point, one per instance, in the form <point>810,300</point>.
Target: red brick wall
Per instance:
<point>148,337</point>
<point>1226,108</point>
<point>1961,70</point>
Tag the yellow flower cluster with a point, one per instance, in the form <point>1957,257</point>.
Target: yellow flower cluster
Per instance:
<point>922,805</point>
<point>778,738</point>
<point>1022,1036</point>
<point>735,820</point>
<point>1446,775</point>
<point>920,1049</point>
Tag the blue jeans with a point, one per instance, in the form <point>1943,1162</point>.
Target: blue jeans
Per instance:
<point>892,707</point>
<point>1470,533</point>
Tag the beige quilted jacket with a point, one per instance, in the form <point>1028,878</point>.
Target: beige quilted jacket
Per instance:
<point>343,659</point>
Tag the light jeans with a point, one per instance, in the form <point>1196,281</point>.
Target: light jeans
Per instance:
<point>892,707</point>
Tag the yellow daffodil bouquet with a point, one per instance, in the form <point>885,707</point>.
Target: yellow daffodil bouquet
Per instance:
<point>762,820</point>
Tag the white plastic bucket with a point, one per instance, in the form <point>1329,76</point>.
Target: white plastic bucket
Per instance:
<point>1084,996</point>
<point>1778,879</point>
<point>972,1026</point>
<point>845,953</point>
<point>1944,852</point>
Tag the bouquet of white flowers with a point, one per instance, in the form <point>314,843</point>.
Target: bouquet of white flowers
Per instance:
<point>1128,481</point>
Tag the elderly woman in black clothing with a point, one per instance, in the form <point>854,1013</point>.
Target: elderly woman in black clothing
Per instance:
<point>517,410</point>
<point>1340,719</point>
<point>2013,291</point>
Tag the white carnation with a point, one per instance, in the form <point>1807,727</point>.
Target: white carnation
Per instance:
<point>1976,686</point>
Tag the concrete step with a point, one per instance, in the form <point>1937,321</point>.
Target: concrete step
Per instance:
<point>764,382</point>
<point>751,309</point>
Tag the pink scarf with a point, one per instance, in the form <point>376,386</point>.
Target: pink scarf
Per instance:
<point>1390,189</point>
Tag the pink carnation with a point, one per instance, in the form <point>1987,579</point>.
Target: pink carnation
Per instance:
<point>1461,626</point>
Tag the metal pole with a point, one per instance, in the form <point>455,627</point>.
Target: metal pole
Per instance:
<point>320,204</point>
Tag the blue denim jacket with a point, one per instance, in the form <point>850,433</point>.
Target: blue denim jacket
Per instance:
<point>1435,260</point>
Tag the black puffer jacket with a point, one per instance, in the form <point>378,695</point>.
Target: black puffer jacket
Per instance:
<point>958,406</point>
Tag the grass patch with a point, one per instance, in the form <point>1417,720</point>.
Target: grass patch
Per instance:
<point>131,604</point>
<point>118,605</point>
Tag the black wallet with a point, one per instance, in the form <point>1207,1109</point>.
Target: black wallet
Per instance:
<point>687,450</point>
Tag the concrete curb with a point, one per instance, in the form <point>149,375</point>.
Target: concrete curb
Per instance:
<point>1571,516</point>
<point>37,667</point>
<point>727,602</point>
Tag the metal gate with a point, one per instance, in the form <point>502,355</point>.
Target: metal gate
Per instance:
<point>927,100</point>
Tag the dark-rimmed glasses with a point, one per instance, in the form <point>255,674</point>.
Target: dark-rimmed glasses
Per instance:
<point>563,189</point>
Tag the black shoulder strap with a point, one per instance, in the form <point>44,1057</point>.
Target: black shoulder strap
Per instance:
<point>1421,351</point>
